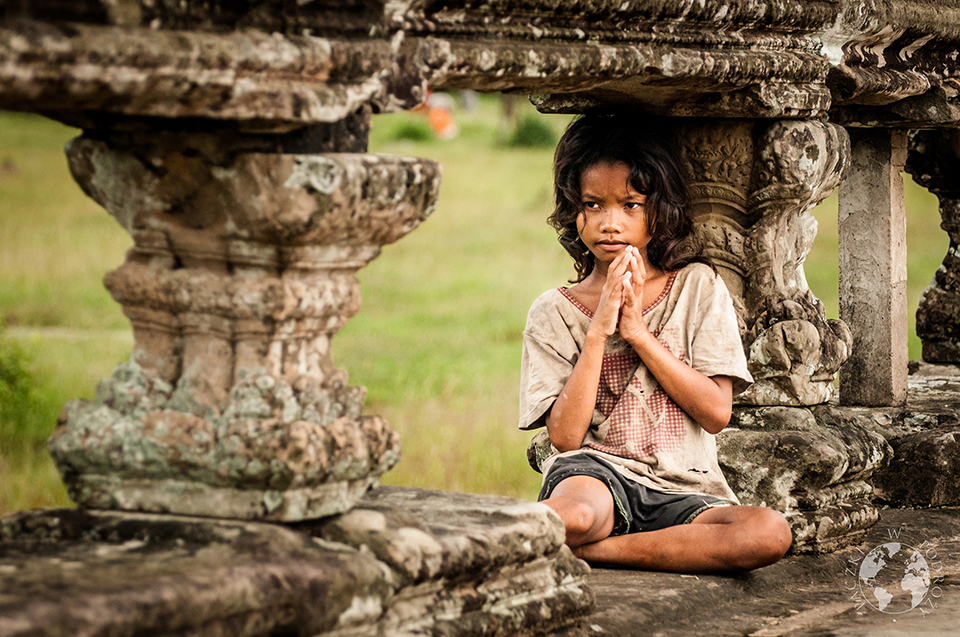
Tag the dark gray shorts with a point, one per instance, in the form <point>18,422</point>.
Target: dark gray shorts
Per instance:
<point>636,508</point>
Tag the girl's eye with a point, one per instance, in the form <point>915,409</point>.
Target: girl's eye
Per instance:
<point>590,205</point>
<point>633,205</point>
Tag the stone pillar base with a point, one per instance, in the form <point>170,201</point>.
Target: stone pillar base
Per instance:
<point>242,271</point>
<point>828,469</point>
<point>402,562</point>
<point>811,465</point>
<point>268,456</point>
<point>925,436</point>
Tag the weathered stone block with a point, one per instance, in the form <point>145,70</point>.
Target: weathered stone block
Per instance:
<point>410,562</point>
<point>925,437</point>
<point>924,470</point>
<point>815,469</point>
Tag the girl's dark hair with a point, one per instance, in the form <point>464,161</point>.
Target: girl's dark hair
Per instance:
<point>655,171</point>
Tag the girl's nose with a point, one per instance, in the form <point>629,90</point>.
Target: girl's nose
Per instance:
<point>610,221</point>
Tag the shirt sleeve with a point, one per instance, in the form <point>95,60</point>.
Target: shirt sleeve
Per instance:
<point>549,354</point>
<point>716,346</point>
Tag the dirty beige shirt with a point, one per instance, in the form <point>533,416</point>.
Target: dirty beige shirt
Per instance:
<point>636,426</point>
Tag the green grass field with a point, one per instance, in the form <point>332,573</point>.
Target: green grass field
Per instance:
<point>437,342</point>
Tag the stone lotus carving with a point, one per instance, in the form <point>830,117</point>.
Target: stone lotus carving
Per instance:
<point>242,269</point>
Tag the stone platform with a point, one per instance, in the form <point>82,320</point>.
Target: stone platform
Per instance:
<point>403,562</point>
<point>831,468</point>
<point>802,595</point>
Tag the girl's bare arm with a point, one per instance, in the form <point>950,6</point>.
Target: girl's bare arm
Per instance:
<point>571,414</point>
<point>569,419</point>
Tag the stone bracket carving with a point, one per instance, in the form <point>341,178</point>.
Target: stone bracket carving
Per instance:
<point>753,186</point>
<point>241,272</point>
<point>934,161</point>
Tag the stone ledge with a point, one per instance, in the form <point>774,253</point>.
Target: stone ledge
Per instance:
<point>410,562</point>
<point>829,468</point>
<point>925,437</point>
<point>808,465</point>
<point>800,595</point>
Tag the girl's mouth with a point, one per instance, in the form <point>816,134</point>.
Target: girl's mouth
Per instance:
<point>612,246</point>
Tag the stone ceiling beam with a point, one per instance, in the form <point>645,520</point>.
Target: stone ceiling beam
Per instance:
<point>264,82</point>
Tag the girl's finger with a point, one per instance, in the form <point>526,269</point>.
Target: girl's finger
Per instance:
<point>622,260</point>
<point>638,264</point>
<point>628,291</point>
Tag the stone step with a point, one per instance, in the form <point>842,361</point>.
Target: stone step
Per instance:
<point>403,562</point>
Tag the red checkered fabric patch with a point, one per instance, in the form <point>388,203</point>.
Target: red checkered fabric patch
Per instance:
<point>639,425</point>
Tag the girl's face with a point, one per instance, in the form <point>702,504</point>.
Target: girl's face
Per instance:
<point>612,215</point>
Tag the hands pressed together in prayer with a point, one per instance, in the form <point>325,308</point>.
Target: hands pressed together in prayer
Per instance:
<point>621,306</point>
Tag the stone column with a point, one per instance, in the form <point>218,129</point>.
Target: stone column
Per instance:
<point>934,162</point>
<point>753,186</point>
<point>242,270</point>
<point>873,270</point>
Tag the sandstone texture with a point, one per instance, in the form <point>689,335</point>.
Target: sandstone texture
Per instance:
<point>753,186</point>
<point>933,161</point>
<point>241,272</point>
<point>279,63</point>
<point>815,469</point>
<point>802,595</point>
<point>833,469</point>
<point>403,562</point>
<point>925,437</point>
<point>230,138</point>
<point>872,225</point>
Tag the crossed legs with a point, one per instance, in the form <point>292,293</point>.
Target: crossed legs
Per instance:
<point>721,539</point>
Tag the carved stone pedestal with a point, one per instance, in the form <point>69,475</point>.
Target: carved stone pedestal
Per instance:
<point>241,271</point>
<point>813,466</point>
<point>753,187</point>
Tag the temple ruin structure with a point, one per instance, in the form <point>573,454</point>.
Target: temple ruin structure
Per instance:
<point>230,140</point>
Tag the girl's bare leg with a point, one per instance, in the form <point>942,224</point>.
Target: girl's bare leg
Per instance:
<point>586,507</point>
<point>721,539</point>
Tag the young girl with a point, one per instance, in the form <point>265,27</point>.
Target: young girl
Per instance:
<point>633,369</point>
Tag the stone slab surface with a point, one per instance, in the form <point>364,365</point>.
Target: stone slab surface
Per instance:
<point>924,436</point>
<point>413,562</point>
<point>800,595</point>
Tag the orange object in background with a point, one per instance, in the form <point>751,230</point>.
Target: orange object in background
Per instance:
<point>439,110</point>
<point>441,122</point>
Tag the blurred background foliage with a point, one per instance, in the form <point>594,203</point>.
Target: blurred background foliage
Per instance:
<point>437,342</point>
